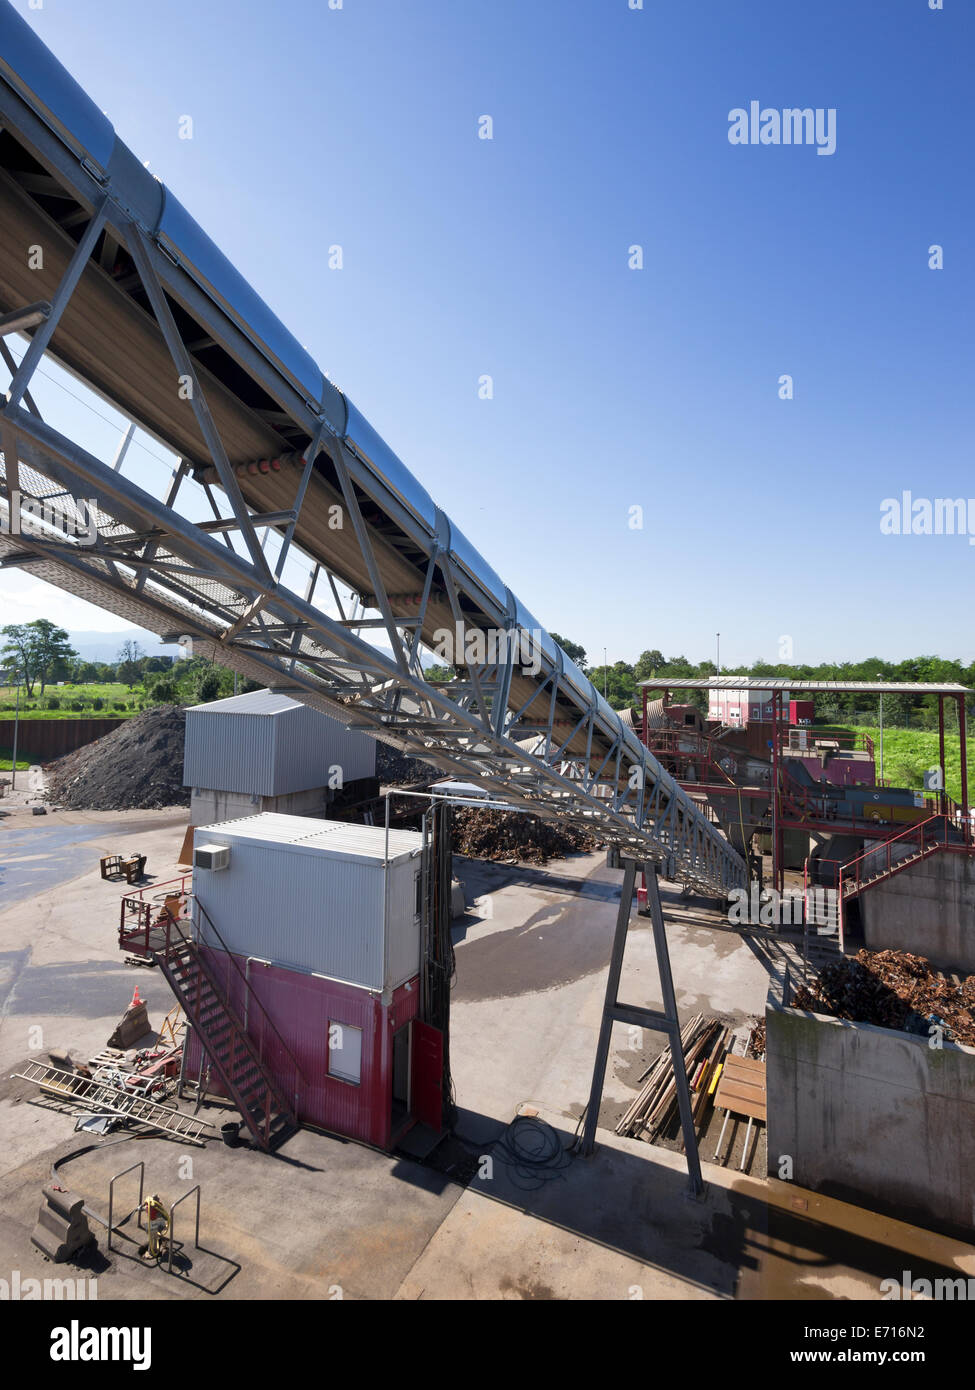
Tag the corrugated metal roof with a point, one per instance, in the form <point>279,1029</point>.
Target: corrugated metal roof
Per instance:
<point>451,787</point>
<point>337,839</point>
<point>786,683</point>
<point>253,702</point>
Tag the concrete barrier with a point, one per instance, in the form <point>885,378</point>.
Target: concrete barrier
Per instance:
<point>928,908</point>
<point>62,1228</point>
<point>872,1116</point>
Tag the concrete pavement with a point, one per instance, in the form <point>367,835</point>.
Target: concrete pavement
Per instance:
<point>326,1218</point>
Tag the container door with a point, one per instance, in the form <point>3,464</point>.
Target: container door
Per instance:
<point>402,1040</point>
<point>428,1075</point>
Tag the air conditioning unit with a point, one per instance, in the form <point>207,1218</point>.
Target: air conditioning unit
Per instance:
<point>211,856</point>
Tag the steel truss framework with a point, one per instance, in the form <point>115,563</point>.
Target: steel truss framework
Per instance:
<point>153,566</point>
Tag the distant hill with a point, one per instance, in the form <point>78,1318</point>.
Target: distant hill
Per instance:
<point>104,646</point>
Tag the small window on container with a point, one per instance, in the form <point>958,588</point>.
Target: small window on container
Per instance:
<point>345,1052</point>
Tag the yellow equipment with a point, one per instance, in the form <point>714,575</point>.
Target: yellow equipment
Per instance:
<point>157,1226</point>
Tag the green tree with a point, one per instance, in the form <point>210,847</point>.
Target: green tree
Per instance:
<point>164,691</point>
<point>129,668</point>
<point>648,664</point>
<point>572,650</point>
<point>208,687</point>
<point>897,711</point>
<point>39,649</point>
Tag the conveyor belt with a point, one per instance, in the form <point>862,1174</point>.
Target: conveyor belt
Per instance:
<point>141,303</point>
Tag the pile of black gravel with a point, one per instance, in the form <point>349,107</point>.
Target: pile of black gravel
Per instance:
<point>137,767</point>
<point>397,769</point>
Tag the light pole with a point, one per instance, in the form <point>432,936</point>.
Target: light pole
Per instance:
<point>717,662</point>
<point>604,673</point>
<point>13,761</point>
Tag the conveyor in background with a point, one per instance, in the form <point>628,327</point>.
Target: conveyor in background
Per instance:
<point>131,296</point>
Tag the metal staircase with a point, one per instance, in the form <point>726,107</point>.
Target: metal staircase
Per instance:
<point>884,860</point>
<point>162,934</point>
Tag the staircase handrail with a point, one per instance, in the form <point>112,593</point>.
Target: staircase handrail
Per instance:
<point>917,831</point>
<point>252,993</point>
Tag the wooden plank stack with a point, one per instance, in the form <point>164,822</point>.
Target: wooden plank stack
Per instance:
<point>703,1042</point>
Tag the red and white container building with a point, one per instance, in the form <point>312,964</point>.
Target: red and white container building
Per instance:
<point>325,920</point>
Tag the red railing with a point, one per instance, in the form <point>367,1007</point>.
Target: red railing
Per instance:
<point>155,925</point>
<point>883,858</point>
<point>690,745</point>
<point>823,740</point>
<point>146,923</point>
<point>801,803</point>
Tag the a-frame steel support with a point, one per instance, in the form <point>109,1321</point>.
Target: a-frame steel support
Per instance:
<point>666,1021</point>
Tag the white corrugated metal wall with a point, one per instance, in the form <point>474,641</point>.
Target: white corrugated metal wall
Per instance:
<point>314,911</point>
<point>229,752</point>
<point>267,744</point>
<point>308,745</point>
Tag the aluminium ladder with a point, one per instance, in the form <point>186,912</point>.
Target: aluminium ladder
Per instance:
<point>114,1100</point>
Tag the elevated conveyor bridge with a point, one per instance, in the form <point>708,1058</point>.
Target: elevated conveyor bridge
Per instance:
<point>112,279</point>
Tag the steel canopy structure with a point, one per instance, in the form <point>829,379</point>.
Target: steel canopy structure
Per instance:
<point>786,683</point>
<point>118,284</point>
<point>779,687</point>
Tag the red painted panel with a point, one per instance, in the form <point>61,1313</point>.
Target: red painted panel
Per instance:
<point>428,1075</point>
<point>300,1007</point>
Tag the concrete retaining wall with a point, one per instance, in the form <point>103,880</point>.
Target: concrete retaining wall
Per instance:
<point>928,909</point>
<point>213,807</point>
<point>873,1116</point>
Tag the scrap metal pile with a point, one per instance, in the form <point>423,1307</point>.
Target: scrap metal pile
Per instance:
<point>893,989</point>
<point>123,1085</point>
<point>508,836</point>
<point>137,767</point>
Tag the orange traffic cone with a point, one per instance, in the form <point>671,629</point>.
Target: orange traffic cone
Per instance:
<point>136,1001</point>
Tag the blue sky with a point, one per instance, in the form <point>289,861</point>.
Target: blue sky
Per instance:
<point>613,388</point>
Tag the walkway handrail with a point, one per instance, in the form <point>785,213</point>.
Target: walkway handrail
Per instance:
<point>882,850</point>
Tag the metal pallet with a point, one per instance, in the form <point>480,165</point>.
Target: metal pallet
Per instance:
<point>113,1100</point>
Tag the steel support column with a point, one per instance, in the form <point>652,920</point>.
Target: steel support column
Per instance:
<point>610,1005</point>
<point>943,792</point>
<point>963,750</point>
<point>676,1048</point>
<point>667,1021</point>
<point>778,839</point>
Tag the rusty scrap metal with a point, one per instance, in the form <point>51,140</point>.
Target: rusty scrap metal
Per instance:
<point>893,989</point>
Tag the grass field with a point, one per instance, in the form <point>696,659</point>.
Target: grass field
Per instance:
<point>909,752</point>
<point>68,697</point>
